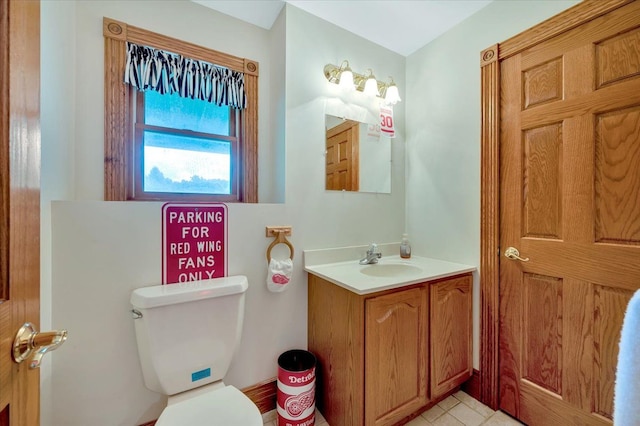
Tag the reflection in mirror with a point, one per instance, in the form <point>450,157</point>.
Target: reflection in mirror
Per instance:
<point>358,156</point>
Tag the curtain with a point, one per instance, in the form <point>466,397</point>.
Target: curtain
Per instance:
<point>164,72</point>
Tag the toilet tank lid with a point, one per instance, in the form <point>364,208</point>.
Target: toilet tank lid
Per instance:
<point>170,294</point>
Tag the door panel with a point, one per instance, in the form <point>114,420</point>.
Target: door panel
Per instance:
<point>617,177</point>
<point>570,202</point>
<point>542,331</point>
<point>543,83</point>
<point>609,308</point>
<point>617,59</point>
<point>542,174</point>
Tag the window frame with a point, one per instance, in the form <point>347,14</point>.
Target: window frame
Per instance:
<point>120,134</point>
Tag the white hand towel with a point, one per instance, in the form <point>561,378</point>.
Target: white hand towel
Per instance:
<point>626,405</point>
<point>279,275</point>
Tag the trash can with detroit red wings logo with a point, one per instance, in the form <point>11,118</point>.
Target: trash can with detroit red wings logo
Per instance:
<point>296,388</point>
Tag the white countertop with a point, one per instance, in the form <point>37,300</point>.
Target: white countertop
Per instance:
<point>392,272</point>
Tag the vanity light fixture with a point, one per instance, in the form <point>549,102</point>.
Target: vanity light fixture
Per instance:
<point>344,77</point>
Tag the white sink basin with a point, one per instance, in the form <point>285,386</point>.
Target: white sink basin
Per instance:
<point>391,270</point>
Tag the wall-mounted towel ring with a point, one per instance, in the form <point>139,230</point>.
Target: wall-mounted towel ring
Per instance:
<point>280,234</point>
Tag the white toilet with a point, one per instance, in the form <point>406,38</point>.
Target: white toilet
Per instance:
<point>187,335</point>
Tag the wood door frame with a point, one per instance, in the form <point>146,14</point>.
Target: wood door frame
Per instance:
<point>490,177</point>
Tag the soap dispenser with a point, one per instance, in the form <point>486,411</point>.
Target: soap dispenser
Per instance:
<point>405,247</point>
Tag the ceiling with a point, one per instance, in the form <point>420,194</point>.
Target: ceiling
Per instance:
<point>402,26</point>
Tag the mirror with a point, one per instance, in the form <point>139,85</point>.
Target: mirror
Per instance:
<point>357,156</point>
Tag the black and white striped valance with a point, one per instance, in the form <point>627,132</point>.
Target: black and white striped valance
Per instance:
<point>164,72</point>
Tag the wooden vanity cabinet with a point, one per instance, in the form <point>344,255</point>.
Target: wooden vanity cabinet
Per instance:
<point>383,357</point>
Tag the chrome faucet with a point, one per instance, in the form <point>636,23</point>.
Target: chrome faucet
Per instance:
<point>372,255</point>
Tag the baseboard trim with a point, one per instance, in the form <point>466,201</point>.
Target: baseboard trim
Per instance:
<point>263,395</point>
<point>472,386</point>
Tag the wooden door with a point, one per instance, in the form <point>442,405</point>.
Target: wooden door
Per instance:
<point>19,203</point>
<point>570,203</point>
<point>395,356</point>
<point>342,157</point>
<point>451,334</point>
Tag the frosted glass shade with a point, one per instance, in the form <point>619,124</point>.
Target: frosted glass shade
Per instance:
<point>346,80</point>
<point>371,87</point>
<point>393,96</point>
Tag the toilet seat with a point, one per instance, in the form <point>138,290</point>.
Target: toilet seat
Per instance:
<point>226,406</point>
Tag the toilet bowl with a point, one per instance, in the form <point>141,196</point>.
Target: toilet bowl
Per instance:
<point>187,334</point>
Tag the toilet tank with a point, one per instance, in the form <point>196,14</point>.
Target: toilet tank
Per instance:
<point>188,332</point>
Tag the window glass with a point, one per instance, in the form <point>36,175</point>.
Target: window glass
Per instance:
<point>185,113</point>
<point>175,163</point>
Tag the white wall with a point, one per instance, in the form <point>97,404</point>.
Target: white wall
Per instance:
<point>311,44</point>
<point>57,122</point>
<point>375,159</point>
<point>274,176</point>
<point>443,133</point>
<point>183,20</point>
<point>102,250</point>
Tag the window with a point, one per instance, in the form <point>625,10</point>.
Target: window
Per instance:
<point>163,146</point>
<point>184,146</point>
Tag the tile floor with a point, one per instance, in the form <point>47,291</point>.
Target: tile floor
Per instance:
<point>462,410</point>
<point>457,410</point>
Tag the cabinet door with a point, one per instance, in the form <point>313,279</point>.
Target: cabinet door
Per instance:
<point>451,358</point>
<point>395,356</point>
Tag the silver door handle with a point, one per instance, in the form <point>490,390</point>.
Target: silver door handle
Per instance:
<point>513,254</point>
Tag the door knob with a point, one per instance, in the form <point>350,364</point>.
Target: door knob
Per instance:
<point>513,254</point>
<point>29,340</point>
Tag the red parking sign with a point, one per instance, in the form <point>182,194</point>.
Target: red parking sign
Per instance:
<point>194,242</point>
